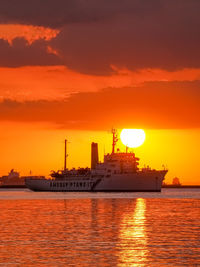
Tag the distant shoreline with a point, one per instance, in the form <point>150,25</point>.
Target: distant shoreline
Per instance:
<point>13,186</point>
<point>164,186</point>
<point>180,186</point>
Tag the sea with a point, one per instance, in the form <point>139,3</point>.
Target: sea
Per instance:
<point>100,229</point>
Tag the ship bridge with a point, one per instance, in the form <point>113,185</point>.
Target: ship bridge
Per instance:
<point>116,163</point>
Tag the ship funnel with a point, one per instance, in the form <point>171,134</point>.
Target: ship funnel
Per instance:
<point>94,155</point>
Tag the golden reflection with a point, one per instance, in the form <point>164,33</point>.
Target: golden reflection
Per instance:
<point>133,239</point>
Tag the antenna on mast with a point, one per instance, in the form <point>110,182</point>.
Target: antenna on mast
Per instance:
<point>65,156</point>
<point>115,139</point>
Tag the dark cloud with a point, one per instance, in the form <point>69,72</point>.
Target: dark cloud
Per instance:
<point>133,42</point>
<point>155,105</point>
<point>132,33</point>
<point>23,54</point>
<point>58,13</point>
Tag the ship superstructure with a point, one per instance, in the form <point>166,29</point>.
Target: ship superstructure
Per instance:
<point>119,172</point>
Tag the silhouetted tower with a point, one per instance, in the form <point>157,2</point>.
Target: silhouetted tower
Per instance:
<point>94,155</point>
<point>176,181</point>
<point>65,156</point>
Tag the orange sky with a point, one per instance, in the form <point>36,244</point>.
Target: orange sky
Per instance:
<point>40,148</point>
<point>78,78</point>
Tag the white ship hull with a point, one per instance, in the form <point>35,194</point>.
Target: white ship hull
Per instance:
<point>149,181</point>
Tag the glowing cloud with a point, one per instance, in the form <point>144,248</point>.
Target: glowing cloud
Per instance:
<point>31,33</point>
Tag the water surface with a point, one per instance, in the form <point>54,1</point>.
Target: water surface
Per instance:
<point>84,229</point>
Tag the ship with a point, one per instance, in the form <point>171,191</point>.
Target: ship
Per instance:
<point>119,172</point>
<point>14,180</point>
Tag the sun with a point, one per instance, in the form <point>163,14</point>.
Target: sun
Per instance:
<point>132,137</point>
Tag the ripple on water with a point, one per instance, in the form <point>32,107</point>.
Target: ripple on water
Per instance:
<point>100,231</point>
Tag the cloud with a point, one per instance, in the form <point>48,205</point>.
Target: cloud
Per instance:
<point>133,42</point>
<point>97,35</point>
<point>155,105</point>
<point>22,54</point>
<point>31,33</point>
<point>58,82</point>
<point>55,14</point>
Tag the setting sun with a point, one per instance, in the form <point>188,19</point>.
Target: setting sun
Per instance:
<point>132,137</point>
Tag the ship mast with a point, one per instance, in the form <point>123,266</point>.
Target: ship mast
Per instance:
<point>65,156</point>
<point>115,139</point>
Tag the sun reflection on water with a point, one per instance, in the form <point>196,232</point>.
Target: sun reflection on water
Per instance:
<point>133,239</point>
